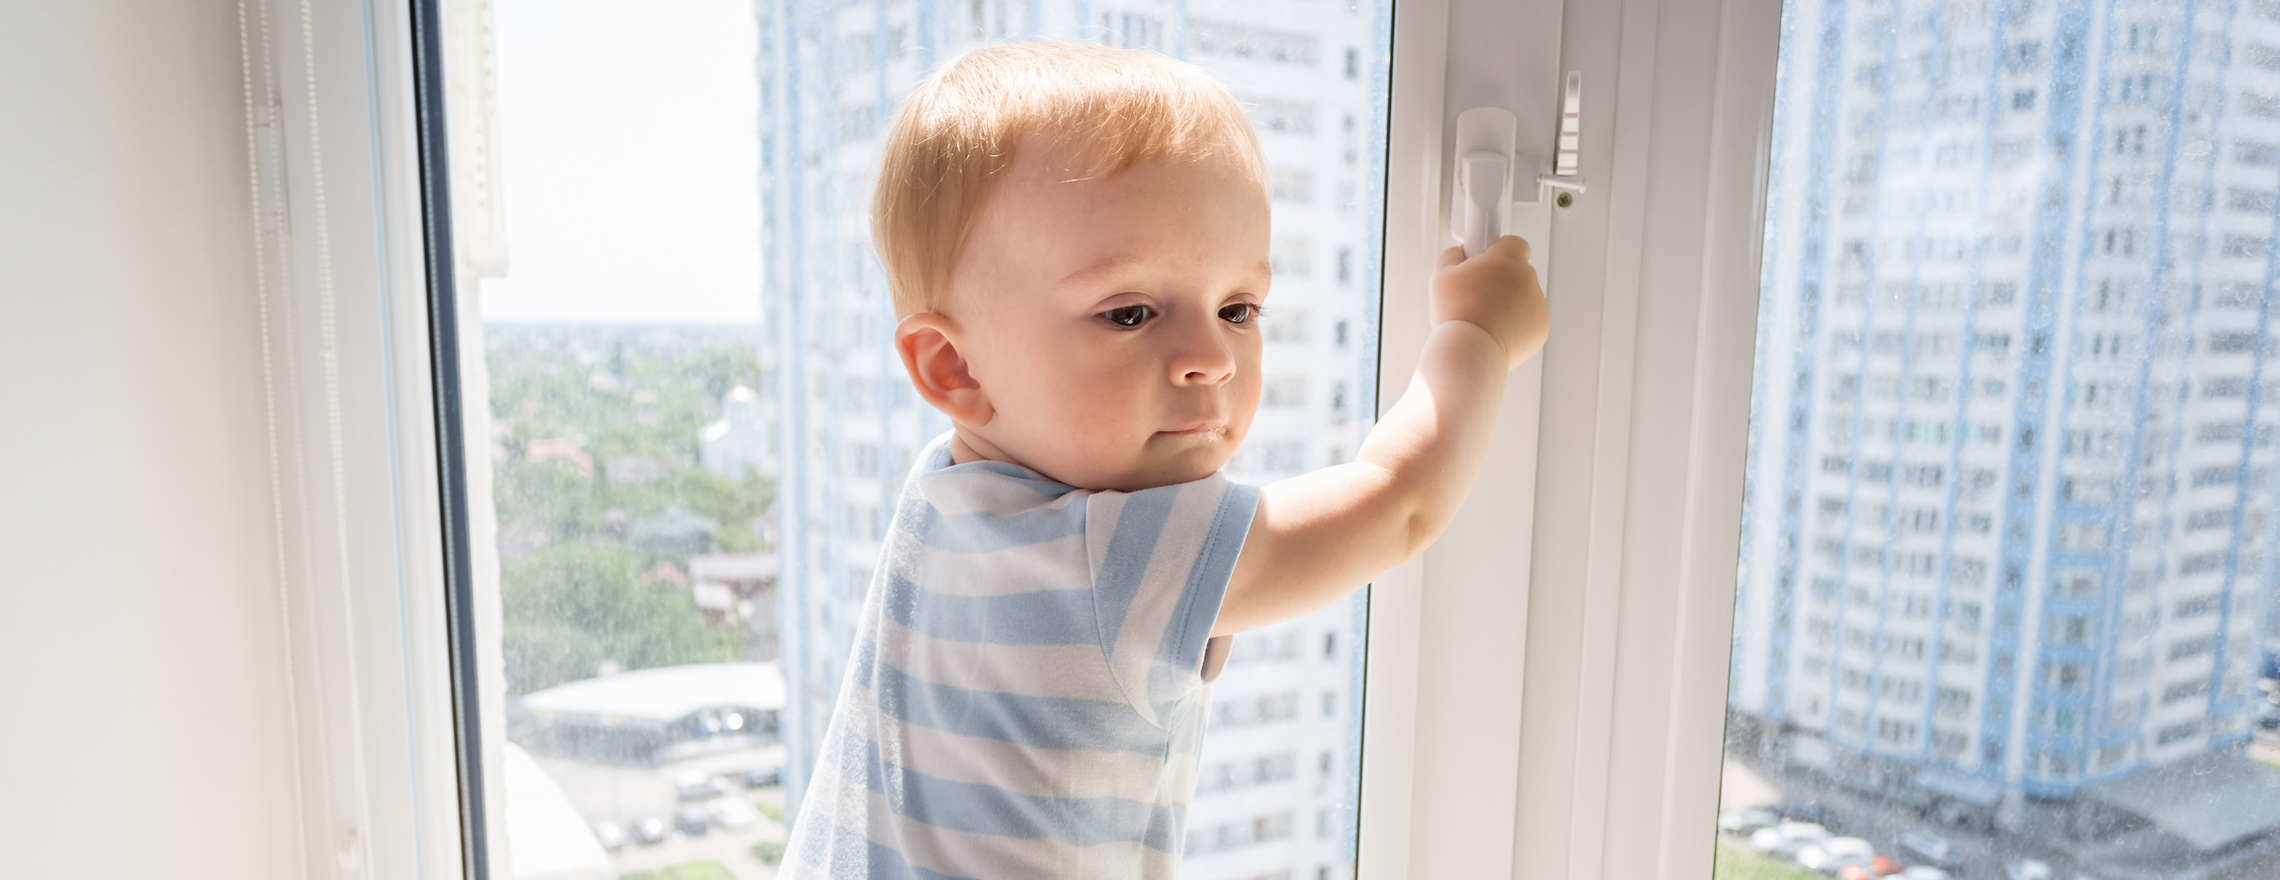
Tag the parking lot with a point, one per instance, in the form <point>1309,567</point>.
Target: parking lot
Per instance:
<point>1854,815</point>
<point>626,794</point>
<point>1981,853</point>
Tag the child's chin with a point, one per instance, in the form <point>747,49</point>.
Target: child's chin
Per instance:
<point>1184,466</point>
<point>1190,465</point>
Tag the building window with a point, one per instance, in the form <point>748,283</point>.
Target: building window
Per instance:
<point>1242,41</point>
<point>1284,392</point>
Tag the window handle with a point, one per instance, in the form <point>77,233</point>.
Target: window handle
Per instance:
<point>1488,161</point>
<point>1483,197</point>
<point>1482,174</point>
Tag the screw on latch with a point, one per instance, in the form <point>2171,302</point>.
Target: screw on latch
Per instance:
<point>1565,200</point>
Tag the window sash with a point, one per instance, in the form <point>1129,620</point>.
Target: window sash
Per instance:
<point>470,630</point>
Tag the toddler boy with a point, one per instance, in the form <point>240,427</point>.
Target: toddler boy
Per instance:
<point>1076,238</point>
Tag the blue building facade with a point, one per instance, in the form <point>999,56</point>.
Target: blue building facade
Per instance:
<point>2010,490</point>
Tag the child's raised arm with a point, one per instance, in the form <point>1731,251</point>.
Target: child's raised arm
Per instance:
<point>1320,536</point>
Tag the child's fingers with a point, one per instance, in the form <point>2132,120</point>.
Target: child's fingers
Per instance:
<point>1454,255</point>
<point>1510,247</point>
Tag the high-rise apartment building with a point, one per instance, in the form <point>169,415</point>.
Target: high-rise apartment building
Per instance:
<point>1278,768</point>
<point>2011,462</point>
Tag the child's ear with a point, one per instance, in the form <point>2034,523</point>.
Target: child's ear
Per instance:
<point>928,343</point>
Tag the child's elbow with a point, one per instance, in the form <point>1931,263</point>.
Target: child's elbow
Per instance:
<point>1420,528</point>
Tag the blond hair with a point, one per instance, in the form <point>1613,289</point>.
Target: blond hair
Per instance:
<point>959,130</point>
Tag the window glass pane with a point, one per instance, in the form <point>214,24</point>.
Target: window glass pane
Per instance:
<point>698,427</point>
<point>2004,606</point>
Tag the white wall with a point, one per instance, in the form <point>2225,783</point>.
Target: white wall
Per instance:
<point>143,722</point>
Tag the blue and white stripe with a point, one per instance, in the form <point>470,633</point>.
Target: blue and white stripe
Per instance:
<point>1026,695</point>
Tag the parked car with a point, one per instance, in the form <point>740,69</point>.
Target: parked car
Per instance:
<point>1817,858</point>
<point>1747,822</point>
<point>1807,811</point>
<point>1924,872</point>
<point>1851,846</point>
<point>2028,869</point>
<point>610,835</point>
<point>1874,870</point>
<point>1832,855</point>
<point>692,821</point>
<point>732,813</point>
<point>760,777</point>
<point>647,830</point>
<point>1960,814</point>
<point>1787,838</point>
<point>698,786</point>
<point>1929,849</point>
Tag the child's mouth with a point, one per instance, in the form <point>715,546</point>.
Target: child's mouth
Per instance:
<point>1198,428</point>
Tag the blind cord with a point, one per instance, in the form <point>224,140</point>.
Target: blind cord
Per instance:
<point>266,168</point>
<point>254,135</point>
<point>353,850</point>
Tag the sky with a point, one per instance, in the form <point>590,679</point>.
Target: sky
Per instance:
<point>629,162</point>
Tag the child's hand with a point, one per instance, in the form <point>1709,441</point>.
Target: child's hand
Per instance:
<point>1497,291</point>
<point>1319,536</point>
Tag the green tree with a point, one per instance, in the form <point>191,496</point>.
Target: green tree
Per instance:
<point>551,496</point>
<point>736,504</point>
<point>653,405</point>
<point>572,607</point>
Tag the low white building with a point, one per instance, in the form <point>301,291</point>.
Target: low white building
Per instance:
<point>738,441</point>
<point>654,715</point>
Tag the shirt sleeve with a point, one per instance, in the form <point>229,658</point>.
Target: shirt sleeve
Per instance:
<point>1160,560</point>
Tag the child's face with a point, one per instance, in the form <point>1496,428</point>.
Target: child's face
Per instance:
<point>1112,324</point>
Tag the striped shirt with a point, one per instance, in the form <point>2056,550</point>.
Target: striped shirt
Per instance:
<point>1027,691</point>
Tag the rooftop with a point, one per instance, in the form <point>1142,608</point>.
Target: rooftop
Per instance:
<point>666,693</point>
<point>2209,800</point>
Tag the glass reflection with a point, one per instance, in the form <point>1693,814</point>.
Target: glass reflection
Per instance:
<point>2003,607</point>
<point>697,425</point>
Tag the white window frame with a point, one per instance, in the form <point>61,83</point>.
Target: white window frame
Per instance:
<point>1646,415</point>
<point>1605,637</point>
<point>1442,686</point>
<point>333,177</point>
<point>1567,729</point>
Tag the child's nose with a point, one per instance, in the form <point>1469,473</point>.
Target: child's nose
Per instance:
<point>1204,358</point>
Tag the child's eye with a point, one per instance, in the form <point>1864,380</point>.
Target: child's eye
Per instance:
<point>1239,313</point>
<point>1129,316</point>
